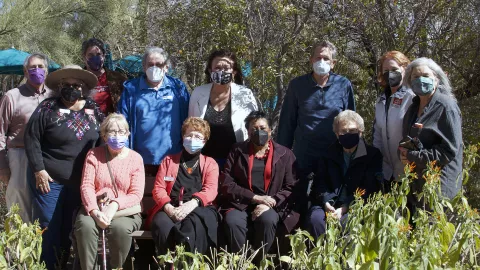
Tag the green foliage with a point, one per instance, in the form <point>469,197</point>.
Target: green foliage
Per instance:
<point>20,243</point>
<point>379,234</point>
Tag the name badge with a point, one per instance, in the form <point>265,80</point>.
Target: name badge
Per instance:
<point>168,178</point>
<point>89,111</point>
<point>397,102</point>
<point>168,97</point>
<point>64,111</point>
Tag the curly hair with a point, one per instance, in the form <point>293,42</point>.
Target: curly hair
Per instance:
<point>197,124</point>
<point>93,42</point>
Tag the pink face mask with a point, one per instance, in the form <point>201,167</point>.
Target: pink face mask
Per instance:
<point>36,75</point>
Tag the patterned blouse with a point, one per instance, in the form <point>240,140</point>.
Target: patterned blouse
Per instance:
<point>57,139</point>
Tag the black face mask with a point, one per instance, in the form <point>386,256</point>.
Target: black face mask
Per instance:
<point>221,77</point>
<point>260,137</point>
<point>392,78</point>
<point>349,140</point>
<point>71,94</point>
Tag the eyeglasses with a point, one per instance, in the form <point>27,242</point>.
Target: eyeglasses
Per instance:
<point>117,132</point>
<point>194,136</point>
<point>74,85</point>
<point>350,131</point>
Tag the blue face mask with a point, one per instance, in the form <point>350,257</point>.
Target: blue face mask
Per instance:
<point>95,62</point>
<point>422,86</point>
<point>192,146</point>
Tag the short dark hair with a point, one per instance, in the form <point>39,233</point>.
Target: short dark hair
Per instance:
<point>255,116</point>
<point>93,42</point>
<point>224,53</point>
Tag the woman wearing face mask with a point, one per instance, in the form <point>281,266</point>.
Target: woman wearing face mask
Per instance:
<point>59,134</point>
<point>184,190</point>
<point>110,83</point>
<point>434,123</point>
<point>117,172</point>
<point>258,180</point>
<point>389,112</point>
<point>348,165</point>
<point>224,103</point>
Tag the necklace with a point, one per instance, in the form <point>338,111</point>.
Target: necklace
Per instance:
<point>190,169</point>
<point>265,154</point>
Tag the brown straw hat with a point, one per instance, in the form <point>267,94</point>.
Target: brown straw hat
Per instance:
<point>71,71</point>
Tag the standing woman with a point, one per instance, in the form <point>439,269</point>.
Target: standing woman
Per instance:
<point>435,120</point>
<point>109,88</point>
<point>224,103</point>
<point>59,134</point>
<point>389,112</point>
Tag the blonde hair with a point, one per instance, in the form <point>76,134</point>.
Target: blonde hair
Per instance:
<point>114,118</point>
<point>197,124</point>
<point>348,116</point>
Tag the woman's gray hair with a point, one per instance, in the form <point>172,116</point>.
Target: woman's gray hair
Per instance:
<point>325,44</point>
<point>155,50</point>
<point>443,82</point>
<point>40,56</point>
<point>348,116</point>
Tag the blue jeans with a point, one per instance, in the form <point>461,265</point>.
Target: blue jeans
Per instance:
<point>55,211</point>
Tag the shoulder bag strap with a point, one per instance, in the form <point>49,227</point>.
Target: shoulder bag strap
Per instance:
<point>107,155</point>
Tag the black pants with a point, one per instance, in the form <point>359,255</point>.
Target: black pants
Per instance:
<point>263,230</point>
<point>193,232</point>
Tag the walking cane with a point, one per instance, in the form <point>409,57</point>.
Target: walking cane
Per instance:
<point>180,196</point>
<point>104,245</point>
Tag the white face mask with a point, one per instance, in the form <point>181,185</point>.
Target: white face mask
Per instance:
<point>321,67</point>
<point>155,74</point>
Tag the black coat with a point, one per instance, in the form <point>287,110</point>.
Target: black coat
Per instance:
<point>364,172</point>
<point>235,190</point>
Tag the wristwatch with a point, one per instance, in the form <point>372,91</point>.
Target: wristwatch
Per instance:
<point>196,199</point>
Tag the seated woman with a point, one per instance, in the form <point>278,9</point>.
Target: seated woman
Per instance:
<point>434,120</point>
<point>185,187</point>
<point>348,164</point>
<point>118,172</point>
<point>258,180</point>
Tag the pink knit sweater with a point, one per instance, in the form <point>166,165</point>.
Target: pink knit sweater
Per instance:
<point>128,172</point>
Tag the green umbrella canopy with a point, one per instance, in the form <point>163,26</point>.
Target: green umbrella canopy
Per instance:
<point>11,62</point>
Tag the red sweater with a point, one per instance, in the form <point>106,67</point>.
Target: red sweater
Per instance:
<point>168,170</point>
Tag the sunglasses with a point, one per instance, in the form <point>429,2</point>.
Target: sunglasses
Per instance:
<point>74,85</point>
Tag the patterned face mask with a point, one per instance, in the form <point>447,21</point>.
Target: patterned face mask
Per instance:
<point>221,77</point>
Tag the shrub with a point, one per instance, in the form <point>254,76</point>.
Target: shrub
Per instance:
<point>379,234</point>
<point>20,243</point>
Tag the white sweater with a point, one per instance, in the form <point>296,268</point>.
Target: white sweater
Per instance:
<point>243,102</point>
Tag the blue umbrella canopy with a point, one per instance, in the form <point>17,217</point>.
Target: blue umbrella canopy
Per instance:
<point>130,65</point>
<point>11,62</point>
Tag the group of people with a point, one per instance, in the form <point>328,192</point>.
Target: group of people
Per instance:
<point>76,147</point>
